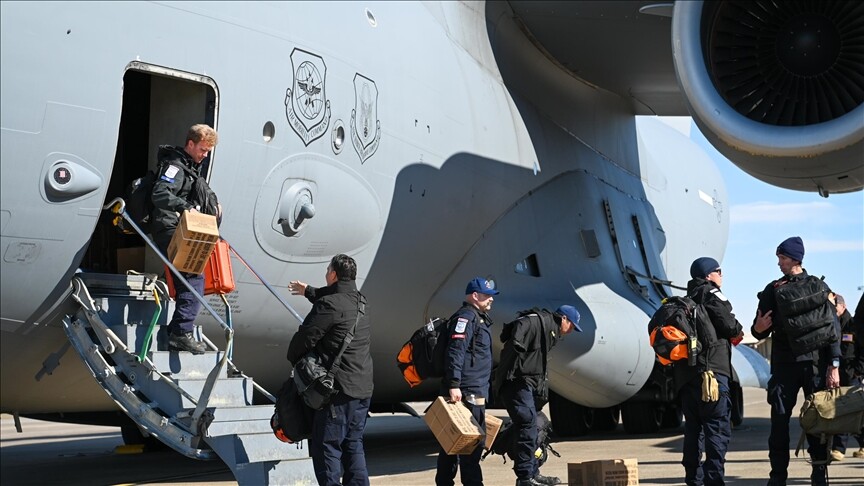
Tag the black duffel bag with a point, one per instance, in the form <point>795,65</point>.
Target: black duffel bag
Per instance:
<point>292,420</point>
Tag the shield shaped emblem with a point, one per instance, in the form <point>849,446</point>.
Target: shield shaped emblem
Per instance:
<point>306,104</point>
<point>365,126</point>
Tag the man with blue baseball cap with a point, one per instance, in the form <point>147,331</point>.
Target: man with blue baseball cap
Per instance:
<point>522,380</point>
<point>468,367</point>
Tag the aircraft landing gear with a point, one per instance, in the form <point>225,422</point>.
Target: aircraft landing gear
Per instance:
<point>569,419</point>
<point>642,417</point>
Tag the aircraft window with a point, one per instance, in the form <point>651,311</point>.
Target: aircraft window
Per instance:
<point>338,136</point>
<point>269,131</point>
<point>589,240</point>
<point>528,266</point>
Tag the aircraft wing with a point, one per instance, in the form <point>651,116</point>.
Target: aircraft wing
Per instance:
<point>778,90</point>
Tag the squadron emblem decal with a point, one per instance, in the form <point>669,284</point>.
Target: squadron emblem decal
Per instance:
<point>306,103</point>
<point>365,126</point>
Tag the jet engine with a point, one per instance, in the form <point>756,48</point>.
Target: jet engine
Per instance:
<point>778,87</point>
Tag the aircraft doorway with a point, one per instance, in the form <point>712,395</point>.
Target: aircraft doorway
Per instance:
<point>159,105</point>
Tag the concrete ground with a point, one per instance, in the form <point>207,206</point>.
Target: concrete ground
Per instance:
<point>400,451</point>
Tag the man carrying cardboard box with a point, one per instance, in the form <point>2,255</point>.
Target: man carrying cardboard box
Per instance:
<point>173,193</point>
<point>468,366</point>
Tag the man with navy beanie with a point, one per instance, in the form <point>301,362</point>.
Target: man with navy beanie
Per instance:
<point>805,354</point>
<point>522,380</point>
<point>707,417</point>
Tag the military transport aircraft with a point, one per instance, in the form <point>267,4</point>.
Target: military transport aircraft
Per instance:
<point>431,141</point>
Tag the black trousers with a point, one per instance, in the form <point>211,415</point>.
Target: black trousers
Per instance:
<point>519,400</point>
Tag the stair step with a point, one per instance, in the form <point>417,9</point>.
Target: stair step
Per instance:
<point>243,449</point>
<point>227,392</point>
<point>241,420</point>
<point>183,365</point>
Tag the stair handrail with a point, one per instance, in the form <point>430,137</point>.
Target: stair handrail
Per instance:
<point>264,282</point>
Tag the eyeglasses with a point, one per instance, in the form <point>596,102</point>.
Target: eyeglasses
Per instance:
<point>719,272</point>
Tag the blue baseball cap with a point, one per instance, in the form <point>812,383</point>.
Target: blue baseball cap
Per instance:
<point>571,314</point>
<point>481,285</point>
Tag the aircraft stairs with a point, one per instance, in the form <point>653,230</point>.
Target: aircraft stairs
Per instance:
<point>199,405</point>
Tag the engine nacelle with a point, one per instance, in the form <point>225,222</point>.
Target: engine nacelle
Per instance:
<point>777,90</point>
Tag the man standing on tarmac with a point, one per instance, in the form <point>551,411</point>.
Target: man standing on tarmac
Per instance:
<point>793,364</point>
<point>522,380</point>
<point>707,415</point>
<point>851,371</point>
<point>173,194</point>
<point>468,367</point>
<point>336,445</point>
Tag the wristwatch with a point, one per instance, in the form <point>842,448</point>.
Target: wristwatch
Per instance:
<point>835,363</point>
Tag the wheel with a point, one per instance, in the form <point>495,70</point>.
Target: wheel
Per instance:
<point>132,435</point>
<point>569,419</point>
<point>641,417</point>
<point>672,417</point>
<point>606,419</point>
<point>736,396</point>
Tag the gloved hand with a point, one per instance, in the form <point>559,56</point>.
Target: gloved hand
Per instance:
<point>710,388</point>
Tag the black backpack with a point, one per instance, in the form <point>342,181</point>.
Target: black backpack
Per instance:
<point>807,313</point>
<point>505,441</point>
<point>292,420</point>
<point>672,330</point>
<point>138,204</point>
<point>422,356</point>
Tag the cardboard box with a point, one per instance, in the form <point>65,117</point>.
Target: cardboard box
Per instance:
<point>493,425</point>
<point>453,426</point>
<point>130,259</point>
<point>193,241</point>
<point>609,472</point>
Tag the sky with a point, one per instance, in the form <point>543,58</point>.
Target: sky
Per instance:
<point>762,216</point>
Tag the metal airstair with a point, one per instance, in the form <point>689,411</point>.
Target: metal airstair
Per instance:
<point>199,405</point>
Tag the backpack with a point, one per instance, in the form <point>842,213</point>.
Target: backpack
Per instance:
<point>138,204</point>
<point>832,412</point>
<point>422,356</point>
<point>807,314</point>
<point>292,420</point>
<point>505,441</point>
<point>672,331</point>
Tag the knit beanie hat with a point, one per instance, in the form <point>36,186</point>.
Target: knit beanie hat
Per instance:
<point>701,267</point>
<point>793,248</point>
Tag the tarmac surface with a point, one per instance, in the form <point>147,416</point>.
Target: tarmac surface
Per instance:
<point>400,450</point>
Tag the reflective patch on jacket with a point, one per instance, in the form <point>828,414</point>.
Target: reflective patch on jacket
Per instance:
<point>719,295</point>
<point>170,173</point>
<point>461,325</point>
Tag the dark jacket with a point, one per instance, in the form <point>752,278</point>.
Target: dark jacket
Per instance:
<point>334,311</point>
<point>714,335</point>
<point>851,349</point>
<point>468,359</point>
<point>172,191</point>
<point>526,352</point>
<point>781,351</point>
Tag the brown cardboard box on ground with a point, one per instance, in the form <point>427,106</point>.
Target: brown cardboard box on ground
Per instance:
<point>453,426</point>
<point>130,259</point>
<point>193,241</point>
<point>608,472</point>
<point>493,425</point>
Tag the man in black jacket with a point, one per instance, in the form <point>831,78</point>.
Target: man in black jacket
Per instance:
<point>707,426</point>
<point>522,380</point>
<point>791,371</point>
<point>851,370</point>
<point>172,194</point>
<point>336,444</point>
<point>468,366</point>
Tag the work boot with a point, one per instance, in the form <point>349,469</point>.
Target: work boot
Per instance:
<point>819,476</point>
<point>529,482</point>
<point>185,342</point>
<point>837,456</point>
<point>548,480</point>
<point>776,482</point>
<point>859,453</point>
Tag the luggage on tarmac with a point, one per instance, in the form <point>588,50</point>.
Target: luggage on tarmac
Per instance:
<point>505,441</point>
<point>832,412</point>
